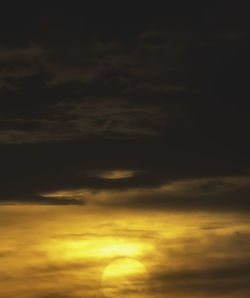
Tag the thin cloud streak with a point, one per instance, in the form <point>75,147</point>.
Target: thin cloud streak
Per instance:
<point>197,194</point>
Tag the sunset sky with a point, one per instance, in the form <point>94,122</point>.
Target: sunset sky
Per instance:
<point>124,150</point>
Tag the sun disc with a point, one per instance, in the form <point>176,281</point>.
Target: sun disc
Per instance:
<point>125,277</point>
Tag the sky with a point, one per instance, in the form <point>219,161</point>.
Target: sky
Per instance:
<point>124,150</point>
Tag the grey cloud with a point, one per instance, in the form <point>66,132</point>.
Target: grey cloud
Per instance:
<point>225,281</point>
<point>32,199</point>
<point>28,170</point>
<point>18,63</point>
<point>141,65</point>
<point>114,115</point>
<point>155,62</point>
<point>21,131</point>
<point>223,194</point>
<point>108,118</point>
<point>34,59</point>
<point>146,64</point>
<point>198,195</point>
<point>201,271</point>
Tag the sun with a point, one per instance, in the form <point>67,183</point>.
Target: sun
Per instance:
<point>125,277</point>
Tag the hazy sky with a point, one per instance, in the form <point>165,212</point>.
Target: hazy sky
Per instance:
<point>124,133</point>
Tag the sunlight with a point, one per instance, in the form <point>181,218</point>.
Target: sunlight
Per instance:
<point>99,248</point>
<point>123,276</point>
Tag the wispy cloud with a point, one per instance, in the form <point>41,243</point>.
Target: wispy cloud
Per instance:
<point>108,118</point>
<point>117,174</point>
<point>228,193</point>
<point>146,65</point>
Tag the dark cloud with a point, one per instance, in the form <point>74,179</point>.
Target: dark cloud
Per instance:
<point>163,96</point>
<point>220,267</point>
<point>230,280</point>
<point>105,118</point>
<point>147,64</point>
<point>29,170</point>
<point>217,194</point>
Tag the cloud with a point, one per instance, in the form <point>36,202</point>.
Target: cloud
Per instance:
<point>117,174</point>
<point>223,193</point>
<point>105,118</point>
<point>146,65</point>
<point>114,116</point>
<point>22,131</point>
<point>18,63</point>
<point>40,200</point>
<point>69,256</point>
<point>224,281</point>
<point>192,166</point>
<point>163,62</point>
<point>75,111</point>
<point>57,295</point>
<point>207,264</point>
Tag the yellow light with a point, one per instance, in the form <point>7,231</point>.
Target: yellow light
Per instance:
<point>118,174</point>
<point>98,248</point>
<point>124,266</point>
<point>125,277</point>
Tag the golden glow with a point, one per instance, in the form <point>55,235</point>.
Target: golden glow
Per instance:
<point>74,251</point>
<point>124,266</point>
<point>118,174</point>
<point>97,248</point>
<point>125,278</point>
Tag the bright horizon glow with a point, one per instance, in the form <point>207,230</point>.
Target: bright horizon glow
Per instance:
<point>74,251</point>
